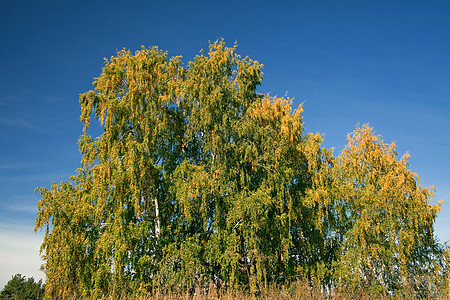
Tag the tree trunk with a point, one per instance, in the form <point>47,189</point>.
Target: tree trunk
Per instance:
<point>157,221</point>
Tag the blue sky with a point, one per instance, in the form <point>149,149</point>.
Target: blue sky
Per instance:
<point>351,62</point>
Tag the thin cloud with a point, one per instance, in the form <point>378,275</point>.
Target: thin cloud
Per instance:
<point>19,207</point>
<point>12,99</point>
<point>19,122</point>
<point>53,100</point>
<point>55,177</point>
<point>17,113</point>
<point>17,166</point>
<point>19,251</point>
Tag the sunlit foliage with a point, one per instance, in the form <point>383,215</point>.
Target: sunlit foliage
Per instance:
<point>382,222</point>
<point>197,179</point>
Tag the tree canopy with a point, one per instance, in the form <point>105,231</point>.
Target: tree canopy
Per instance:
<point>19,287</point>
<point>198,179</point>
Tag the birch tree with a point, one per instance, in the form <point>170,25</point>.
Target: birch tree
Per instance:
<point>387,217</point>
<point>198,179</point>
<point>121,189</point>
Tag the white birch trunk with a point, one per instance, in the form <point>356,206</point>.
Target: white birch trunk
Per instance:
<point>157,221</point>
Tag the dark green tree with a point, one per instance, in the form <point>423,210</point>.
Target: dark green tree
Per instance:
<point>20,287</point>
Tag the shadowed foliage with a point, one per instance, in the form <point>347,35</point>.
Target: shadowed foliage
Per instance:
<point>19,287</point>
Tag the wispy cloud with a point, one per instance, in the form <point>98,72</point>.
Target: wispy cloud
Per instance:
<point>17,166</point>
<point>24,121</point>
<point>20,111</point>
<point>53,99</point>
<point>19,208</point>
<point>55,177</point>
<point>23,206</point>
<point>18,122</point>
<point>12,99</point>
<point>19,251</point>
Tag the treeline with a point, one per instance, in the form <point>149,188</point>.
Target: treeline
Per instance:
<point>197,179</point>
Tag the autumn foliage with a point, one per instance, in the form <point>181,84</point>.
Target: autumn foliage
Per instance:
<point>198,180</point>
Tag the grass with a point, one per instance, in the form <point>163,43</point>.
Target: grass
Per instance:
<point>298,290</point>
